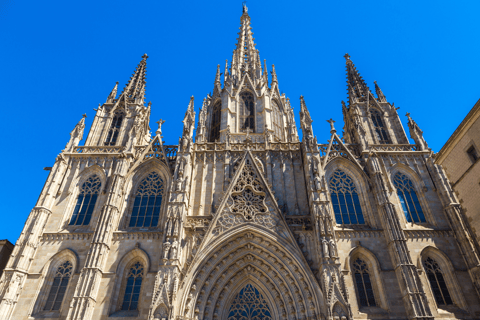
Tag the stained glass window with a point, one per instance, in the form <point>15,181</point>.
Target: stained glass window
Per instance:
<point>132,289</point>
<point>247,112</point>
<point>249,304</point>
<point>86,201</point>
<point>216,120</point>
<point>364,285</point>
<point>380,129</point>
<point>114,129</point>
<point>437,282</point>
<point>148,201</point>
<point>408,198</point>
<point>345,201</point>
<point>59,286</point>
<point>277,120</point>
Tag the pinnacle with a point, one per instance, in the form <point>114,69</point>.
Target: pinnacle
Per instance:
<point>135,88</point>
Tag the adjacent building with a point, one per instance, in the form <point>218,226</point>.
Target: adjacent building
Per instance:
<point>460,157</point>
<point>244,220</point>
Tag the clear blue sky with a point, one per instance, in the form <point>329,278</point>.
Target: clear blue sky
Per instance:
<point>60,59</point>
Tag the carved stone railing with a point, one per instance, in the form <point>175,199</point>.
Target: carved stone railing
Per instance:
<point>253,146</point>
<point>393,147</point>
<point>198,222</point>
<point>171,152</point>
<point>337,150</point>
<point>98,149</point>
<point>299,222</point>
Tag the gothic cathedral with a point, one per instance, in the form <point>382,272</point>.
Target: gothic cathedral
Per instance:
<point>244,220</point>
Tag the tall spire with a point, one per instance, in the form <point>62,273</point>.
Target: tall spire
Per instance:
<point>217,76</point>
<point>357,88</point>
<point>274,75</point>
<point>113,94</point>
<point>135,88</point>
<point>245,55</point>
<point>380,95</point>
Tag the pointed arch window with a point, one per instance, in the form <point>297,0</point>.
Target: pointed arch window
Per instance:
<point>148,201</point>
<point>132,288</point>
<point>114,129</point>
<point>86,201</point>
<point>59,287</point>
<point>345,200</point>
<point>366,298</point>
<point>380,129</point>
<point>437,282</point>
<point>249,304</point>
<point>277,121</point>
<point>408,198</point>
<point>216,120</point>
<point>247,112</point>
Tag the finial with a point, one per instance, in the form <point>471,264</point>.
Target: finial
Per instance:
<point>84,115</point>
<point>145,56</point>
<point>408,116</point>
<point>159,130</point>
<point>332,128</point>
<point>244,5</point>
<point>347,56</point>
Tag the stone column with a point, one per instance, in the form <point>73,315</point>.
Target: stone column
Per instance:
<point>84,299</point>
<point>414,297</point>
<point>329,274</point>
<point>14,275</point>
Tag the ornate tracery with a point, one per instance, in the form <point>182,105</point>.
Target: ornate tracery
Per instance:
<point>408,198</point>
<point>380,129</point>
<point>114,129</point>
<point>86,201</point>
<point>148,201</point>
<point>249,304</point>
<point>366,298</point>
<point>132,288</point>
<point>247,202</point>
<point>247,112</point>
<point>345,200</point>
<point>437,282</point>
<point>59,286</point>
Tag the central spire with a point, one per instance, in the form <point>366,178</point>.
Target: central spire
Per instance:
<point>245,56</point>
<point>135,88</point>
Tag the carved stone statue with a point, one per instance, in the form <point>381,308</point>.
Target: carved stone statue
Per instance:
<point>179,183</point>
<point>166,250</point>
<point>173,250</point>
<point>317,181</point>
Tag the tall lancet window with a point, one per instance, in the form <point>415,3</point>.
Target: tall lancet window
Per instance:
<point>148,201</point>
<point>247,112</point>
<point>437,282</point>
<point>216,120</point>
<point>86,201</point>
<point>132,288</point>
<point>366,297</point>
<point>380,129</point>
<point>277,121</point>
<point>249,304</point>
<point>408,198</point>
<point>345,201</point>
<point>59,286</point>
<point>114,129</point>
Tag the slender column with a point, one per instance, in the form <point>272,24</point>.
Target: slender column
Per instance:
<point>413,295</point>
<point>14,275</point>
<point>456,218</point>
<point>86,291</point>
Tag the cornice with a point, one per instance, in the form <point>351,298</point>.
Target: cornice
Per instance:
<point>458,134</point>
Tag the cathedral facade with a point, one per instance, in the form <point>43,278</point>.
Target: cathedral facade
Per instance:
<point>244,220</point>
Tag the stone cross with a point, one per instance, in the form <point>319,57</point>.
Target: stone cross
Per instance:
<point>159,130</point>
<point>332,128</point>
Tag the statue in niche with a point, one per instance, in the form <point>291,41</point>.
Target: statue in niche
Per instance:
<point>179,183</point>
<point>317,181</point>
<point>166,250</point>
<point>173,250</point>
